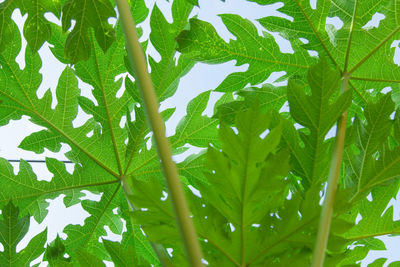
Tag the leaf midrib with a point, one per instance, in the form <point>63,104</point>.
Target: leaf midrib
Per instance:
<point>346,61</point>
<point>226,254</point>
<point>172,145</point>
<point>349,43</point>
<point>34,112</point>
<point>376,177</point>
<point>262,60</point>
<point>116,152</point>
<point>169,62</point>
<point>370,136</point>
<point>58,190</point>
<point>282,239</point>
<point>316,34</point>
<point>90,234</point>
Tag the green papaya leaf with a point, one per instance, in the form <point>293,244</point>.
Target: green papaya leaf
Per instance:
<point>166,73</point>
<point>365,168</point>
<point>202,43</point>
<point>88,15</point>
<point>55,252</point>
<point>352,44</point>
<point>376,217</point>
<point>12,230</point>
<point>87,259</point>
<point>268,97</point>
<point>122,257</point>
<point>318,112</point>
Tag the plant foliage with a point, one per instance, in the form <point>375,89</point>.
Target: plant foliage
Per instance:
<point>263,168</point>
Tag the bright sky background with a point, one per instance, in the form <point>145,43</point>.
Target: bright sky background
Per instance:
<point>201,78</point>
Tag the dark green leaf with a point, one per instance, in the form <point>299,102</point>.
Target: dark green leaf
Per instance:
<point>88,14</point>
<point>55,254</point>
<point>86,259</point>
<point>371,165</point>
<point>318,112</point>
<point>12,230</point>
<point>122,257</point>
<point>37,28</point>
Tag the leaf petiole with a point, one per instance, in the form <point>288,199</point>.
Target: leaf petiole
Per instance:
<point>180,205</point>
<point>333,177</point>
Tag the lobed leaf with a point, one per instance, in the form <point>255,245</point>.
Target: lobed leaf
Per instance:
<point>166,73</point>
<point>365,168</point>
<point>12,230</point>
<point>87,14</point>
<point>202,43</point>
<point>36,29</point>
<point>317,112</point>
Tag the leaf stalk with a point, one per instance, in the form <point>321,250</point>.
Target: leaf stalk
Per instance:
<point>333,177</point>
<point>169,168</point>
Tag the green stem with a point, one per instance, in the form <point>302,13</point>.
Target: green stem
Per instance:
<point>175,188</point>
<point>334,172</point>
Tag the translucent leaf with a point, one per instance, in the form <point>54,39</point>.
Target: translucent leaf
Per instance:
<point>202,43</point>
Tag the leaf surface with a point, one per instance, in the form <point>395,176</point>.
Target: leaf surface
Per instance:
<point>354,47</point>
<point>373,162</point>
<point>165,74</point>
<point>36,29</point>
<point>12,230</point>
<point>202,43</point>
<point>98,149</point>
<point>121,256</point>
<point>87,14</point>
<point>318,113</point>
